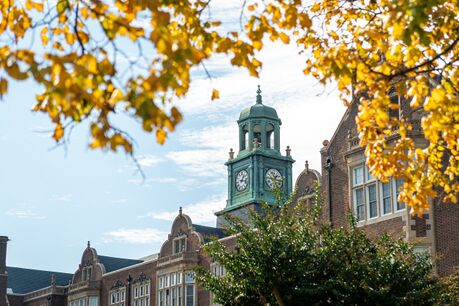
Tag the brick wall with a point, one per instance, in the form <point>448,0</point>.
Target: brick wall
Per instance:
<point>336,150</point>
<point>446,228</point>
<point>108,280</point>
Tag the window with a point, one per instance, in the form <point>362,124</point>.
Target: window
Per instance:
<point>117,294</point>
<point>171,293</point>
<point>270,136</point>
<point>372,199</point>
<point>141,289</point>
<point>386,198</point>
<point>86,273</point>
<point>93,301</point>
<point>245,138</point>
<point>219,271</point>
<point>398,186</point>
<point>179,245</point>
<point>82,301</point>
<point>179,296</point>
<point>189,295</point>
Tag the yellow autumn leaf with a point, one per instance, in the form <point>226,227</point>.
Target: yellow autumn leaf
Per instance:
<point>161,136</point>
<point>70,38</point>
<point>398,30</point>
<point>215,94</point>
<point>44,36</point>
<point>3,86</point>
<point>58,132</point>
<point>284,37</point>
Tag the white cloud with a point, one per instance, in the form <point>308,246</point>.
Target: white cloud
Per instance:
<point>25,214</point>
<point>199,163</point>
<point>144,161</point>
<point>148,160</point>
<point>212,146</point>
<point>200,213</point>
<point>135,236</point>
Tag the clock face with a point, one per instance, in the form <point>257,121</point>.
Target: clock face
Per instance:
<point>242,180</point>
<point>273,178</point>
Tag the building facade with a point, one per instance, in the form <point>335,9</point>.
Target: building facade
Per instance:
<point>166,278</point>
<point>350,188</point>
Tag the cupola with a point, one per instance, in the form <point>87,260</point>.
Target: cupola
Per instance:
<point>259,127</point>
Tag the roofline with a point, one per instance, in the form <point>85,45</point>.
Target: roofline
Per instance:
<point>38,270</point>
<point>228,237</point>
<point>131,266</point>
<point>338,127</point>
<point>31,292</point>
<point>16,294</point>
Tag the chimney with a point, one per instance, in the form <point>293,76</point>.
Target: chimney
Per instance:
<point>3,243</point>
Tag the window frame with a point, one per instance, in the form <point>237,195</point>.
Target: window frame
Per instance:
<point>183,239</point>
<point>363,180</point>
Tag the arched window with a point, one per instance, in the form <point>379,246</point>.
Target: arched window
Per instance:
<point>270,136</point>
<point>245,137</point>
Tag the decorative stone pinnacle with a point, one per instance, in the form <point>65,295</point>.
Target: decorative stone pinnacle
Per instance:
<point>288,150</point>
<point>259,95</point>
<point>231,154</point>
<point>180,211</point>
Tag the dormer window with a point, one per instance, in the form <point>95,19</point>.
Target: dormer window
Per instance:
<point>179,244</point>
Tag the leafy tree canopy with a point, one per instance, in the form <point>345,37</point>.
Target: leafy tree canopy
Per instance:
<point>367,47</point>
<point>289,258</point>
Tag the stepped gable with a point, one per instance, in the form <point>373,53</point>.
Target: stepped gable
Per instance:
<point>305,186</point>
<point>21,280</point>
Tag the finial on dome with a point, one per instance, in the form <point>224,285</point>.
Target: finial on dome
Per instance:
<point>89,244</point>
<point>259,95</point>
<point>180,210</point>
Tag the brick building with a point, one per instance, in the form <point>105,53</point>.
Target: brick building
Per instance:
<point>165,278</point>
<point>349,187</point>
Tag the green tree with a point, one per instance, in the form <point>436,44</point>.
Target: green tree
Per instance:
<point>287,257</point>
<point>450,289</point>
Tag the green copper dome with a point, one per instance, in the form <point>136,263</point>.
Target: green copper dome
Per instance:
<point>258,110</point>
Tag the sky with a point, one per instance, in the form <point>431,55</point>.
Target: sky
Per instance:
<point>54,200</point>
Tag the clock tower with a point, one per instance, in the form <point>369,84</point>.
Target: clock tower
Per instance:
<point>259,166</point>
